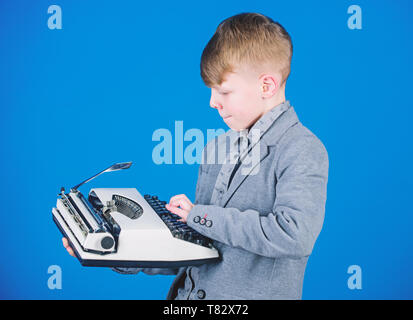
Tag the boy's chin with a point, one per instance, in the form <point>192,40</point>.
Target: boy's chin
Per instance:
<point>237,127</point>
<point>233,126</point>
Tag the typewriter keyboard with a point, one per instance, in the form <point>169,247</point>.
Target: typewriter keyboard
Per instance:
<point>178,229</point>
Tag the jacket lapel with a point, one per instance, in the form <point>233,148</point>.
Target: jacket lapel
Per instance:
<point>246,168</point>
<point>269,138</point>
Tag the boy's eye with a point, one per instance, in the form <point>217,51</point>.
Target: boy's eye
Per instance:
<point>224,93</point>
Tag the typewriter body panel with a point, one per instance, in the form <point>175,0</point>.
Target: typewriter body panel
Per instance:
<point>118,227</point>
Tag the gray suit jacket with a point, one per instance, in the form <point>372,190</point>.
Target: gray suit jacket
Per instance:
<point>266,224</point>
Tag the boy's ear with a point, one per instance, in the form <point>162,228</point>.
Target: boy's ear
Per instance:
<point>270,83</point>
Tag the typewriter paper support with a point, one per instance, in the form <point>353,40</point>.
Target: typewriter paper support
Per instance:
<point>117,227</point>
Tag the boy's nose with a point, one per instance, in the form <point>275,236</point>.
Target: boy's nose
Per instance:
<point>214,104</point>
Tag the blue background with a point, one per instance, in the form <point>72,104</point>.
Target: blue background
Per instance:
<point>74,101</point>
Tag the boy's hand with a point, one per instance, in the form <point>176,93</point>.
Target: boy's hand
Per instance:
<point>180,205</point>
<point>68,248</point>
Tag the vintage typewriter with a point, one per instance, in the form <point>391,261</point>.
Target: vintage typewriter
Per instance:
<point>117,227</point>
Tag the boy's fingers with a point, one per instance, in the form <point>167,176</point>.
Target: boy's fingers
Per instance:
<point>174,202</point>
<point>179,197</point>
<point>179,212</point>
<point>183,196</point>
<point>174,198</point>
<point>68,248</point>
<point>71,252</point>
<point>181,203</point>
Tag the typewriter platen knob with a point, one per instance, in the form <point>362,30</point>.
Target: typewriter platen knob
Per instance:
<point>107,243</point>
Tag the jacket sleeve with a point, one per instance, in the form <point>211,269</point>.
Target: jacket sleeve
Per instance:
<point>294,223</point>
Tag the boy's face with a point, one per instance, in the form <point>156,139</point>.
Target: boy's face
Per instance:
<point>238,99</point>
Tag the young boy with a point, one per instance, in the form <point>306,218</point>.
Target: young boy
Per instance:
<point>264,217</point>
